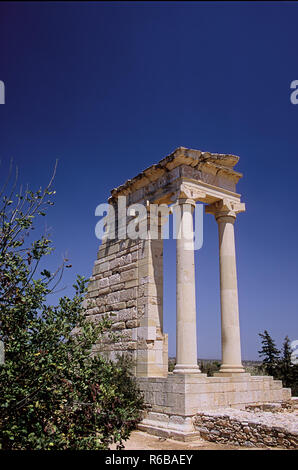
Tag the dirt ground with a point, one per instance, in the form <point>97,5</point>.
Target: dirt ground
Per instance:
<point>142,441</point>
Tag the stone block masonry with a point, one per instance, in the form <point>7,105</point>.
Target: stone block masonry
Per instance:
<point>263,429</point>
<point>123,288</point>
<point>173,402</point>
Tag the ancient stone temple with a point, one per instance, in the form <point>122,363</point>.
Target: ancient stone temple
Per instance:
<point>127,286</point>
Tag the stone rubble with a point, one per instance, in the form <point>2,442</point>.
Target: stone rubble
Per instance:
<point>249,428</point>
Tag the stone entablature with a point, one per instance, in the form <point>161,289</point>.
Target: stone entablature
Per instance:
<point>212,175</point>
<point>212,169</point>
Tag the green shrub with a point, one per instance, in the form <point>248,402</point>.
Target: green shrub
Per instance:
<point>54,394</point>
<point>209,367</point>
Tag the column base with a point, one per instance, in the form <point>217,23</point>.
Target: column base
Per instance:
<point>228,370</point>
<point>186,369</point>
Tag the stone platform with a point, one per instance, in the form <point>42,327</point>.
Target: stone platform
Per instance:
<point>174,401</point>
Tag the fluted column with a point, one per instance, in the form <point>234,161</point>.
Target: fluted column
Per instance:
<point>225,215</point>
<point>186,331</point>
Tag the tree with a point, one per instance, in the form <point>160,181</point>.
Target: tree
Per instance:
<point>270,353</point>
<point>282,367</point>
<point>285,362</point>
<point>288,372</point>
<point>54,393</point>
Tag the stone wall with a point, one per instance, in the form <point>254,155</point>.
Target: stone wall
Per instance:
<point>126,287</point>
<point>246,429</point>
<point>112,292</point>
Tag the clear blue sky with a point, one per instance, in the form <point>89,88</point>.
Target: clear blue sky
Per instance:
<point>111,88</point>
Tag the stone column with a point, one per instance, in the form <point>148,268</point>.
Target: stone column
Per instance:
<point>225,215</point>
<point>186,333</point>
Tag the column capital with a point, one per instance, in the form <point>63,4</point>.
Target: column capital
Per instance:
<point>189,193</point>
<point>225,208</point>
<point>184,200</point>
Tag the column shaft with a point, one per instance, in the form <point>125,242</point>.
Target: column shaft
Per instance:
<point>230,329</point>
<point>186,333</point>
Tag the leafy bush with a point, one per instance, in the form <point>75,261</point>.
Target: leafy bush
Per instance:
<point>206,367</point>
<point>257,369</point>
<point>54,393</point>
<point>209,367</point>
<point>171,364</point>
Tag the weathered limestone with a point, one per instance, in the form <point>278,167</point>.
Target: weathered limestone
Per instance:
<point>127,286</point>
<point>248,429</point>
<point>152,353</point>
<point>186,342</point>
<point>225,215</point>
